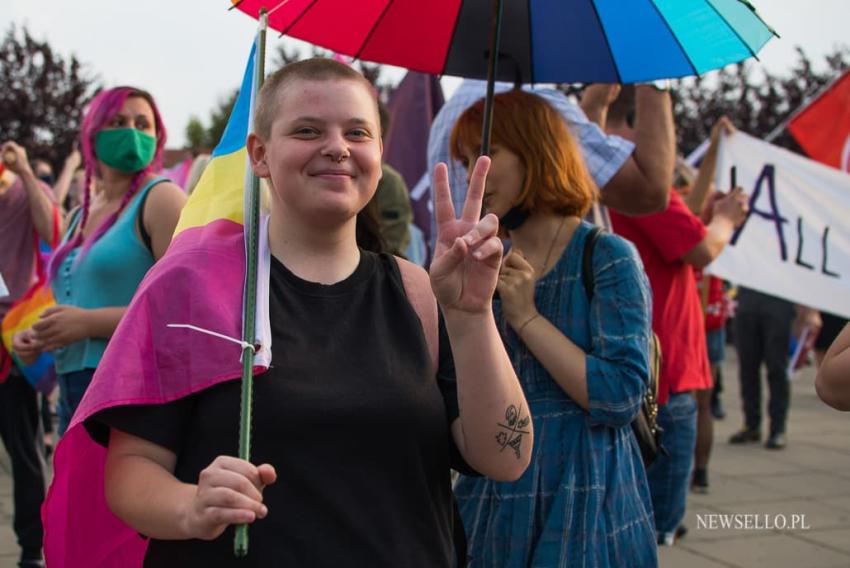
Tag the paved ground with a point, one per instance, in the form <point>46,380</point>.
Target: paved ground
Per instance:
<point>807,483</point>
<point>811,477</point>
<point>8,547</point>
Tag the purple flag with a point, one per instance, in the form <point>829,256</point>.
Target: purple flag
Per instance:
<point>413,106</point>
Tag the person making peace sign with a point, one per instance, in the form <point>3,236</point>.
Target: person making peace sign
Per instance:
<point>355,430</point>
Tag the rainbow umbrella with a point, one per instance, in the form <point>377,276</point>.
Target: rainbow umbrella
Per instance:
<point>537,41</point>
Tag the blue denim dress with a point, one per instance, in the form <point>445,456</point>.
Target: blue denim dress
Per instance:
<point>584,500</point>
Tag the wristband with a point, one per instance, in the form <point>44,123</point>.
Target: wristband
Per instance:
<point>528,321</point>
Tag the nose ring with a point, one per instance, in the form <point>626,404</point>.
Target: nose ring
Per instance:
<point>339,159</point>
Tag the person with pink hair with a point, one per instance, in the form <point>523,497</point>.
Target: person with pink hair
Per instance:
<point>109,242</point>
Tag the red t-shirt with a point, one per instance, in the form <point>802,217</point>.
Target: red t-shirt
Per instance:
<point>713,300</point>
<point>662,239</point>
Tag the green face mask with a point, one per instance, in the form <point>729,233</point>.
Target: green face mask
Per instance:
<point>126,149</point>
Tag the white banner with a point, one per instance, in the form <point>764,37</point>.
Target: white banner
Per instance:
<point>795,243</point>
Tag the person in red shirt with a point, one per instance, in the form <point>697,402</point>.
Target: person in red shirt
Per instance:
<point>671,244</point>
<point>699,194</point>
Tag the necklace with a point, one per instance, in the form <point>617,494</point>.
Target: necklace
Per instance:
<point>552,246</point>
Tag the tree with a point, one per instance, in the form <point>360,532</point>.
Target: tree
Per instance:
<point>43,96</point>
<point>219,117</point>
<point>372,71</point>
<point>204,138</point>
<point>283,56</point>
<point>196,134</point>
<point>757,103</point>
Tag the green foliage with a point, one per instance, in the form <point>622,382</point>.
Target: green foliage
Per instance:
<point>196,134</point>
<point>756,100</point>
<point>373,72</point>
<point>218,118</point>
<point>43,96</point>
<point>201,138</point>
<point>284,55</point>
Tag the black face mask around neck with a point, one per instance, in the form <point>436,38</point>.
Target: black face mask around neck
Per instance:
<point>514,218</point>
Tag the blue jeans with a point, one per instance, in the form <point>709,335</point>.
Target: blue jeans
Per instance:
<point>716,342</point>
<point>72,387</point>
<point>669,476</point>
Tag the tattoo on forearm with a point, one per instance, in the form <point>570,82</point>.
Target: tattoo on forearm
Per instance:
<point>512,430</point>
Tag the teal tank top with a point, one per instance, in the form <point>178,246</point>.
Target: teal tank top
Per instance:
<point>106,277</point>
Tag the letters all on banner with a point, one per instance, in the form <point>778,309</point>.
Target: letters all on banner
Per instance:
<point>795,242</point>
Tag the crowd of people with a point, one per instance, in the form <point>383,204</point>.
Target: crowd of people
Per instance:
<point>521,359</point>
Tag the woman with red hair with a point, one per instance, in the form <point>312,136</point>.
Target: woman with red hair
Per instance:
<point>579,345</point>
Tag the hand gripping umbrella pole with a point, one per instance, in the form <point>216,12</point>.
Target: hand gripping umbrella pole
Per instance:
<point>249,301</point>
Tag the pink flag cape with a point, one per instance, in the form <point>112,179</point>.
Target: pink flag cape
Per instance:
<point>199,282</point>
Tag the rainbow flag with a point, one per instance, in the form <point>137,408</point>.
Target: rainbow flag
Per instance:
<point>40,374</point>
<point>199,282</point>
<point>26,311</point>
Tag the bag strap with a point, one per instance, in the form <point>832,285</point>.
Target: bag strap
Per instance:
<point>654,372</point>
<point>40,265</point>
<point>38,260</point>
<point>587,276</point>
<point>140,216</point>
<point>56,228</point>
<point>417,286</point>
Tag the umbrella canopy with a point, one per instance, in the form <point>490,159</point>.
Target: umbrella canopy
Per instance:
<point>543,41</point>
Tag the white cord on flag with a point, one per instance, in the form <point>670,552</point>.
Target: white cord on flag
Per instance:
<point>243,344</point>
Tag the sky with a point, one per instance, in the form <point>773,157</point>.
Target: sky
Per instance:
<point>191,53</point>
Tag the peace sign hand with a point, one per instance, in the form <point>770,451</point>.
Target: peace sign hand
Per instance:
<point>468,254</point>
